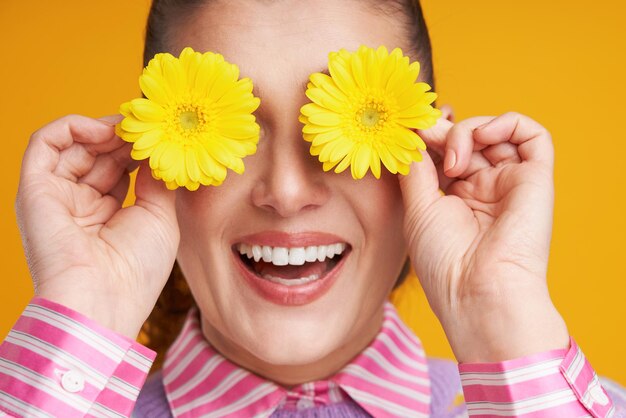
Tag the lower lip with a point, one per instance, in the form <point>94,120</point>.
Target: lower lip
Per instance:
<point>290,295</point>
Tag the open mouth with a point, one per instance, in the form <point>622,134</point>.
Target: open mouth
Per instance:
<point>294,266</point>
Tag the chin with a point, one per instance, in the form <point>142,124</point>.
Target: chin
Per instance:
<point>289,347</point>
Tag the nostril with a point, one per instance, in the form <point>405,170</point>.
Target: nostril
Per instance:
<point>289,192</point>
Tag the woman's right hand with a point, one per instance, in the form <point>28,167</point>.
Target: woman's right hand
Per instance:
<point>83,249</point>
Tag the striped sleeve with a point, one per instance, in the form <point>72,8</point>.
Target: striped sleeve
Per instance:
<point>58,362</point>
<point>554,383</point>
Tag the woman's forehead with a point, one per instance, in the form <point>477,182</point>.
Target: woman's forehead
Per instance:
<point>282,38</point>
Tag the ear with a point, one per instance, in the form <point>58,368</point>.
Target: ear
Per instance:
<point>447,112</point>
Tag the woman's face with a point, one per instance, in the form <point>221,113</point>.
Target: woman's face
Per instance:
<point>285,202</point>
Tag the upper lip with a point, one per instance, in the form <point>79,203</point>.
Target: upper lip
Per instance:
<point>290,240</point>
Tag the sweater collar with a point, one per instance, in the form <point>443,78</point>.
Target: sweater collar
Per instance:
<point>387,379</point>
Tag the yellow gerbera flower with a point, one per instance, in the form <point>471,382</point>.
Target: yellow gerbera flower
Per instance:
<point>367,111</point>
<point>196,120</point>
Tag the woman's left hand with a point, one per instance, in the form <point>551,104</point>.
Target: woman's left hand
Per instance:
<point>481,250</point>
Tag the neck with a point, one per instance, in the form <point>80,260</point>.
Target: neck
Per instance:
<point>292,375</point>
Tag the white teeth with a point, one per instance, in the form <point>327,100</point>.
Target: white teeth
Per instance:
<point>292,282</point>
<point>310,254</point>
<point>321,252</point>
<point>256,252</point>
<point>297,256</point>
<point>266,251</point>
<point>244,249</point>
<point>280,256</point>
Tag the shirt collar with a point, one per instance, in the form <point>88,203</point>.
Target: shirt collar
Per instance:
<point>387,379</point>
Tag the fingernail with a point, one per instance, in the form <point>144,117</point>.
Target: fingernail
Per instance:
<point>450,160</point>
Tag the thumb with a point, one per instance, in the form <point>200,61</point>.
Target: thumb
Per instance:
<point>153,195</point>
<point>420,187</point>
<point>435,137</point>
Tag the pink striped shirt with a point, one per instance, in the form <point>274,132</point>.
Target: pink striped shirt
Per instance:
<point>57,362</point>
<point>388,379</point>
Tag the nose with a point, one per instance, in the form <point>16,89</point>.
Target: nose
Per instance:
<point>292,180</point>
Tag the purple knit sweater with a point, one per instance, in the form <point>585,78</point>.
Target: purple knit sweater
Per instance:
<point>445,385</point>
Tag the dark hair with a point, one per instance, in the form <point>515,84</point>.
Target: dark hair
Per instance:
<point>168,315</point>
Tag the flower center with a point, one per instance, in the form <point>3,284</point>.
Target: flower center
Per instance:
<point>189,119</point>
<point>186,120</point>
<point>370,117</point>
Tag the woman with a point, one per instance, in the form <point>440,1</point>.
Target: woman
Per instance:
<point>328,347</point>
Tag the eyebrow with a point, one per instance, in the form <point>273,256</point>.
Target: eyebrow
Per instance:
<point>258,91</point>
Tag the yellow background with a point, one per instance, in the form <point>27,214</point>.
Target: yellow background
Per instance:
<point>562,62</point>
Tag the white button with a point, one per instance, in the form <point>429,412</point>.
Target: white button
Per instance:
<point>72,381</point>
<point>305,403</point>
<point>599,396</point>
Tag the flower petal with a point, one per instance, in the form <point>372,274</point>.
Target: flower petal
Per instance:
<point>239,130</point>
<point>358,72</point>
<point>326,83</point>
<point>312,109</point>
<point>388,160</point>
<point>328,165</point>
<point>140,154</point>
<point>131,124</point>
<point>240,91</point>
<point>237,165</point>
<point>125,109</point>
<point>208,165</point>
<point>316,129</point>
<point>156,155</point>
<point>341,74</point>
<point>361,161</point>
<point>375,164</point>
<point>154,89</point>
<point>171,157</point>
<point>325,119</point>
<point>223,82</point>
<point>190,61</point>
<point>147,110</point>
<point>339,149</point>
<point>217,150</point>
<point>325,137</point>
<point>404,169</point>
<point>148,139</point>
<point>175,75</point>
<point>191,163</point>
<point>343,164</point>
<point>406,138</point>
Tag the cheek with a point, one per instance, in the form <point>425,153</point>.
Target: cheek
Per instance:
<point>379,208</point>
<point>201,217</point>
<point>201,213</point>
<point>382,205</point>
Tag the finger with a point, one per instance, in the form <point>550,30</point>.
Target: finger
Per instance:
<point>533,141</point>
<point>120,190</point>
<point>438,138</point>
<point>503,153</point>
<point>420,187</point>
<point>79,162</point>
<point>447,112</point>
<point>73,161</point>
<point>112,119</point>
<point>152,194</point>
<point>435,137</point>
<point>460,145</point>
<point>43,152</point>
<point>109,168</point>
